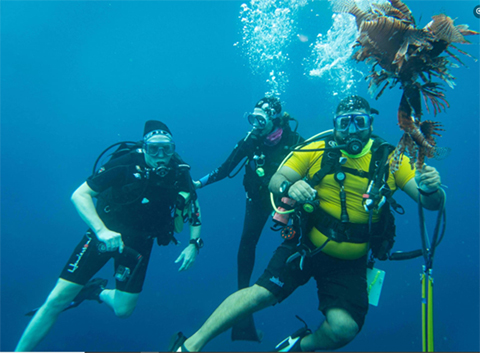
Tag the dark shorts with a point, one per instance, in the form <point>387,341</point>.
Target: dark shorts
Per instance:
<point>340,283</point>
<point>86,260</point>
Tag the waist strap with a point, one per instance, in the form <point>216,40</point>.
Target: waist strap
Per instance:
<point>343,232</point>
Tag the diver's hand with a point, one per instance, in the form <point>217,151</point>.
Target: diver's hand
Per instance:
<point>197,184</point>
<point>428,179</point>
<point>188,255</point>
<point>112,240</point>
<point>301,192</point>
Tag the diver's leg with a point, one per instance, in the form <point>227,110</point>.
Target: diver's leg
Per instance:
<point>338,329</point>
<point>122,303</point>
<point>238,305</point>
<point>123,300</point>
<point>60,297</point>
<point>343,300</point>
<point>83,263</point>
<point>255,219</point>
<point>252,299</point>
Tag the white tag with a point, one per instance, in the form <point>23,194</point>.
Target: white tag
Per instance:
<point>375,278</point>
<point>145,200</point>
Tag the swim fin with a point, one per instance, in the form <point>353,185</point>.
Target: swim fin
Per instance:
<point>245,331</point>
<point>292,342</point>
<point>176,343</point>
<point>91,291</point>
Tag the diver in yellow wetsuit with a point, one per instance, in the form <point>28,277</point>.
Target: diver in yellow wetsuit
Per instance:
<point>353,183</point>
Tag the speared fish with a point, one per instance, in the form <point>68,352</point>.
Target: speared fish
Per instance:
<point>401,53</point>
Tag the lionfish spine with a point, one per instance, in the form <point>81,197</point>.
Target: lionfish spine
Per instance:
<point>424,96</point>
<point>399,5</point>
<point>419,138</point>
<point>443,29</point>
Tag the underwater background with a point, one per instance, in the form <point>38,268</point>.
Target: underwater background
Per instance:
<point>78,76</point>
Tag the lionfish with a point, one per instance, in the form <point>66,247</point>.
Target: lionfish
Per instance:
<point>399,52</point>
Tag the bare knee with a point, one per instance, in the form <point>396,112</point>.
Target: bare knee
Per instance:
<point>124,311</point>
<point>343,329</point>
<point>58,300</point>
<point>124,304</point>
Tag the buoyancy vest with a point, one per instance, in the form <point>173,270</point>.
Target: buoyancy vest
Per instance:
<point>117,205</point>
<point>263,162</point>
<point>377,196</point>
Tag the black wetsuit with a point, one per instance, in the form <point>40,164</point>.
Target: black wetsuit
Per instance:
<point>258,207</point>
<point>136,203</point>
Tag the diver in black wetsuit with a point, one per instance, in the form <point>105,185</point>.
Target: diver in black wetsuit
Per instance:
<point>143,194</point>
<point>264,148</point>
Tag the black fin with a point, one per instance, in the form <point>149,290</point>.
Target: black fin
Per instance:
<point>91,291</point>
<point>245,331</point>
<point>177,341</point>
<point>32,312</point>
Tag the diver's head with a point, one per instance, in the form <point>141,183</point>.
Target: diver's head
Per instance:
<point>266,116</point>
<point>158,145</point>
<point>353,123</point>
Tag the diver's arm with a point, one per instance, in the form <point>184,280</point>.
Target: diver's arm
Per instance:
<point>429,181</point>
<point>82,199</point>
<point>299,190</point>
<point>189,254</point>
<point>284,174</point>
<point>195,221</point>
<point>239,152</point>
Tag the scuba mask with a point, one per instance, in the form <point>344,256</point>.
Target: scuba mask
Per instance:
<point>158,152</point>
<point>155,149</point>
<point>342,122</point>
<point>158,141</point>
<point>352,131</point>
<point>258,119</point>
<point>261,117</point>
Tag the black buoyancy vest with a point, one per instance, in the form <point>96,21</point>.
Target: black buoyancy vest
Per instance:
<point>273,155</point>
<point>114,205</point>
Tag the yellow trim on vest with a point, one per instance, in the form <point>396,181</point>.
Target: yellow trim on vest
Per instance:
<point>344,250</point>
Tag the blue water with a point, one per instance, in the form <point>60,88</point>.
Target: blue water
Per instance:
<point>79,76</point>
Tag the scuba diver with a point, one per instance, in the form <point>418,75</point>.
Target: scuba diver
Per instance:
<point>264,148</point>
<point>144,192</point>
<point>345,180</point>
